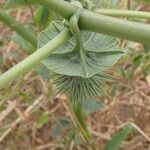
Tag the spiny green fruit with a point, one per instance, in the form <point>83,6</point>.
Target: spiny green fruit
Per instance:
<point>79,71</point>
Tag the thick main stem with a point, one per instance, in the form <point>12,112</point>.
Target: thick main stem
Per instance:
<point>31,61</point>
<point>20,29</point>
<point>95,22</point>
<point>124,13</point>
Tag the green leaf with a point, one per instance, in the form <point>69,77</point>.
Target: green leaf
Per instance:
<point>17,3</point>
<point>61,125</point>
<point>99,53</point>
<point>43,72</point>
<point>147,48</point>
<point>1,63</point>
<point>14,3</point>
<point>116,141</point>
<point>91,106</point>
<point>137,61</point>
<point>43,17</point>
<point>43,119</point>
<point>78,139</point>
<point>22,42</point>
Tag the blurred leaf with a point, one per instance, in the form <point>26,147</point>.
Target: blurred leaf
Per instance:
<point>43,17</point>
<point>122,72</point>
<point>146,70</point>
<point>137,61</point>
<point>78,139</point>
<point>1,59</point>
<point>91,106</point>
<point>17,3</point>
<point>43,72</point>
<point>43,119</point>
<point>146,64</point>
<point>22,42</point>
<point>116,141</point>
<point>147,48</point>
<point>14,3</point>
<point>75,136</point>
<point>114,3</point>
<point>61,125</point>
<point>1,63</point>
<point>1,41</point>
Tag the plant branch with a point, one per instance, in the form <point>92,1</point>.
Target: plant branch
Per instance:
<point>20,29</point>
<point>95,22</point>
<point>124,13</point>
<point>34,59</point>
<point>78,118</point>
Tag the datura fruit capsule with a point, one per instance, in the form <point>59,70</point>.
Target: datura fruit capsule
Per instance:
<point>78,67</point>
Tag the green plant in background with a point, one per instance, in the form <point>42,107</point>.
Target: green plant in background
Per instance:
<point>75,52</point>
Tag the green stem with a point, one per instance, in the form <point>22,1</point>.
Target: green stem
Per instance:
<point>79,121</point>
<point>95,22</point>
<point>20,29</point>
<point>73,25</point>
<point>34,59</point>
<point>124,13</point>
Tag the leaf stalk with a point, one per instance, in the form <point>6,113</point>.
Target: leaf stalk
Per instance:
<point>124,13</point>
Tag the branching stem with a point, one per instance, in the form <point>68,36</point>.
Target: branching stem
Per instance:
<point>95,22</point>
<point>20,29</point>
<point>88,21</point>
<point>34,59</point>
